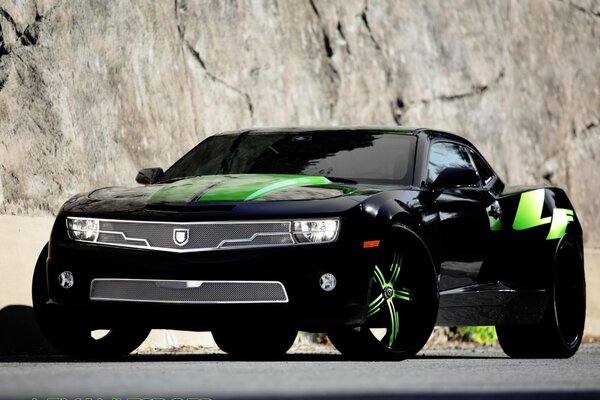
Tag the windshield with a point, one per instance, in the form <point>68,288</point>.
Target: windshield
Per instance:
<point>360,156</point>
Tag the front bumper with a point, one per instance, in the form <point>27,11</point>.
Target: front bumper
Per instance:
<point>297,268</point>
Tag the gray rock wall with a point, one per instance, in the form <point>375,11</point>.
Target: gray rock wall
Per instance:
<point>90,91</point>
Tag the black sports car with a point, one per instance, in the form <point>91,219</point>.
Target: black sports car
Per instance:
<point>373,235</point>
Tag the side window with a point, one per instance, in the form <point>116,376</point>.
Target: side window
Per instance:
<point>445,155</point>
<point>485,173</point>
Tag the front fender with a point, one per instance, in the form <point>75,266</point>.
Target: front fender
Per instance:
<point>380,212</point>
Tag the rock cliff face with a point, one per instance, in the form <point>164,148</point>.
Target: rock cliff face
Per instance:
<point>90,91</point>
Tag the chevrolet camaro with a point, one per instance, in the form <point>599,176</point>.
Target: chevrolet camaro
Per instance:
<point>372,235</point>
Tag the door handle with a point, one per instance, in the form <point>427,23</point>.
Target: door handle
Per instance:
<point>495,211</point>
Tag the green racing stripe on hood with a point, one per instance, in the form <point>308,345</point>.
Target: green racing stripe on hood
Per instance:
<point>185,190</point>
<point>252,187</point>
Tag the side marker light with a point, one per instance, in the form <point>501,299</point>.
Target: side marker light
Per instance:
<point>370,244</point>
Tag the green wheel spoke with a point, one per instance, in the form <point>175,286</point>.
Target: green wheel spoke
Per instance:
<point>373,311</point>
<point>376,302</point>
<point>379,277</point>
<point>389,296</point>
<point>394,321</point>
<point>375,305</point>
<point>396,264</point>
<point>404,295</point>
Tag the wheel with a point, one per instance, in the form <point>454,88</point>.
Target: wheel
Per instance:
<point>74,340</point>
<point>403,302</point>
<point>262,342</point>
<point>559,333</point>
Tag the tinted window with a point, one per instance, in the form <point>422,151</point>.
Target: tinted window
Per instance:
<point>485,173</point>
<point>446,155</point>
<point>360,156</point>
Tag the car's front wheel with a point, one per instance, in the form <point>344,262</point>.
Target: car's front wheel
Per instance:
<point>559,333</point>
<point>403,302</point>
<point>72,339</point>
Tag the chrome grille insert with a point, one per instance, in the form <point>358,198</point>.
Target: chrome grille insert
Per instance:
<point>187,292</point>
<point>183,237</point>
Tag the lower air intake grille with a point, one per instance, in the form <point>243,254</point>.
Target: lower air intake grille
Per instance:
<point>191,292</point>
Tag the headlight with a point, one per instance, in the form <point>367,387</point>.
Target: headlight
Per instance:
<point>316,231</point>
<point>83,229</point>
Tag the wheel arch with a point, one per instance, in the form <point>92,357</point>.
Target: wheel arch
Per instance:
<point>391,208</point>
<point>403,222</point>
<point>535,222</point>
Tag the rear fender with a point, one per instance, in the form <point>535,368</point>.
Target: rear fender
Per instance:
<point>541,213</point>
<point>534,220</point>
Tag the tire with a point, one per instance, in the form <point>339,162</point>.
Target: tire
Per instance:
<point>74,340</point>
<point>265,342</point>
<point>560,332</point>
<point>403,302</point>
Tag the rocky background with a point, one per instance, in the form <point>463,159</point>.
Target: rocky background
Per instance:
<point>90,91</point>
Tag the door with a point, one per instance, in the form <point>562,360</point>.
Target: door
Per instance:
<point>464,227</point>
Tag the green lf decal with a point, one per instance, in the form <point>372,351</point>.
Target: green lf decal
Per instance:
<point>529,215</point>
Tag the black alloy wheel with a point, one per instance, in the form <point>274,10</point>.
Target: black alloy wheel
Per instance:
<point>403,302</point>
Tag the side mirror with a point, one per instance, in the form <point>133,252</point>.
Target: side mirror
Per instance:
<point>148,176</point>
<point>454,177</point>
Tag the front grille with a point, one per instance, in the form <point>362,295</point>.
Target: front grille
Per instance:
<point>194,236</point>
<point>187,292</point>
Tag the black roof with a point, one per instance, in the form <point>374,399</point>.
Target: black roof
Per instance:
<point>323,129</point>
<point>313,129</point>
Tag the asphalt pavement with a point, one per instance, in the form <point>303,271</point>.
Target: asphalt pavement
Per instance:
<point>464,374</point>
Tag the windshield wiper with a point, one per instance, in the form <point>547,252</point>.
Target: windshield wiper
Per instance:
<point>173,179</point>
<point>340,180</point>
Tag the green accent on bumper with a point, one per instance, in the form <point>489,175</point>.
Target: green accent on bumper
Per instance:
<point>529,215</point>
<point>252,187</point>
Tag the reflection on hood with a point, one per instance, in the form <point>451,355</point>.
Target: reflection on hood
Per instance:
<point>215,188</point>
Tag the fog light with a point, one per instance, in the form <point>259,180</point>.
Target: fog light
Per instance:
<point>327,282</point>
<point>65,280</point>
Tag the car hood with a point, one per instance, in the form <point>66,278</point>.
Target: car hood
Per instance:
<point>219,189</point>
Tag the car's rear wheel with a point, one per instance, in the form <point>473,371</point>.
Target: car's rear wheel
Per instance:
<point>72,339</point>
<point>403,302</point>
<point>559,333</point>
<point>262,341</point>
